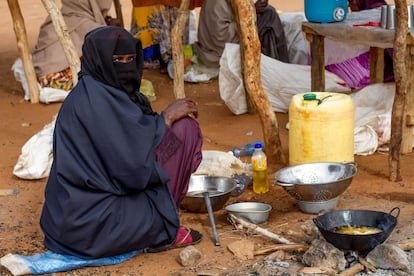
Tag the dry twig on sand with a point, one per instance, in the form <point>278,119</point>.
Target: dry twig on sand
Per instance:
<point>258,229</point>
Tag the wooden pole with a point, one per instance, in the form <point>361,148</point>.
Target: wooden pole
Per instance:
<point>177,48</point>
<point>64,38</point>
<point>24,50</point>
<point>118,11</point>
<point>250,50</point>
<point>401,85</point>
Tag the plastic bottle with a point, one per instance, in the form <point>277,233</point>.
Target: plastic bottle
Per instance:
<point>246,150</point>
<point>259,169</point>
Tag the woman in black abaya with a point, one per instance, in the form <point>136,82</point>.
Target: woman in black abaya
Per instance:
<point>120,170</point>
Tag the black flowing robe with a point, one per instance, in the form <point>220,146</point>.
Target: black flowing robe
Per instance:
<point>106,194</point>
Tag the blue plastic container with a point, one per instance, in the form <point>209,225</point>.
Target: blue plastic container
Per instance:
<point>326,11</point>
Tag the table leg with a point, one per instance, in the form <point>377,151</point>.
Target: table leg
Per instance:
<point>376,65</point>
<point>317,48</point>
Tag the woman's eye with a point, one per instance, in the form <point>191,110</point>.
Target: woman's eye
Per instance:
<point>123,59</point>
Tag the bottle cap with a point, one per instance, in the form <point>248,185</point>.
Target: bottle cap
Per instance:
<point>257,145</point>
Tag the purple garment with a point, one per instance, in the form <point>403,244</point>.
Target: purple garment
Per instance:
<point>356,72</point>
<point>179,154</point>
<point>370,4</point>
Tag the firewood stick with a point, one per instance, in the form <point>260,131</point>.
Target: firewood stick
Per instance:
<point>352,270</point>
<point>406,245</point>
<point>299,236</point>
<point>285,247</point>
<point>7,192</point>
<point>259,230</point>
<point>367,264</point>
<point>318,270</point>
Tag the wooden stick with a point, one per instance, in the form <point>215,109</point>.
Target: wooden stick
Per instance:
<point>318,270</point>
<point>245,15</point>
<point>177,48</point>
<point>285,247</point>
<point>352,270</point>
<point>367,264</point>
<point>401,87</point>
<point>406,245</point>
<point>7,192</point>
<point>118,11</point>
<point>64,38</point>
<point>24,51</point>
<point>299,236</point>
<point>259,230</point>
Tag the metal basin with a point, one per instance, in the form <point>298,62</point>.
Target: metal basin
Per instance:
<point>329,221</point>
<point>254,212</point>
<point>218,187</point>
<point>320,181</point>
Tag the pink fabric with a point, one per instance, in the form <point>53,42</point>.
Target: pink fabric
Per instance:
<point>356,72</point>
<point>370,4</point>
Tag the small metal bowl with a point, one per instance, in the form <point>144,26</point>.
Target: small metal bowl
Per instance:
<point>218,187</point>
<point>254,212</point>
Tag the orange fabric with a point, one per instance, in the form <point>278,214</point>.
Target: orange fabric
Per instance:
<point>173,3</point>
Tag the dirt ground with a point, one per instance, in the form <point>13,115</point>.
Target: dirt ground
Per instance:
<point>19,214</point>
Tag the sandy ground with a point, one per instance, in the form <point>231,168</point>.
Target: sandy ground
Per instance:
<point>19,214</point>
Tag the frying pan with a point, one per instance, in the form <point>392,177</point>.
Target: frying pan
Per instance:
<point>329,221</point>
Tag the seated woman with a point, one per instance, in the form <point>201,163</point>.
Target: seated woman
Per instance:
<point>217,26</point>
<point>355,71</point>
<point>120,170</point>
<point>50,64</point>
<point>152,22</point>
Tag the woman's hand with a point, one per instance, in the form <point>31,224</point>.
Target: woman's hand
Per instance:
<point>179,109</point>
<point>260,6</point>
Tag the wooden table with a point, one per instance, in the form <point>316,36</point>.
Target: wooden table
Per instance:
<point>377,39</point>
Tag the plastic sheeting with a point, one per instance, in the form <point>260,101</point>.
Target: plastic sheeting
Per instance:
<point>50,262</point>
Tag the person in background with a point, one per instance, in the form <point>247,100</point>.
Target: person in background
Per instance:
<point>217,26</point>
<point>152,23</point>
<point>120,170</point>
<point>50,64</point>
<point>355,71</point>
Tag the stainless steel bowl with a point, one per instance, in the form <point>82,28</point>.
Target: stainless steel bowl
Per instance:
<point>218,187</point>
<point>254,212</point>
<point>319,181</point>
<point>316,207</point>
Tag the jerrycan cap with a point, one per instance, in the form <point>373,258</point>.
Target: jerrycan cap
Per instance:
<point>309,97</point>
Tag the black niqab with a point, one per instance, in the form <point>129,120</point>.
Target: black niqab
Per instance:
<point>97,62</point>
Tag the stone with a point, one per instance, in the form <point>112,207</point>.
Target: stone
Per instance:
<point>389,256</point>
<point>188,256</point>
<point>323,254</point>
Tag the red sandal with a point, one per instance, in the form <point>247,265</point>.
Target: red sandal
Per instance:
<point>186,236</point>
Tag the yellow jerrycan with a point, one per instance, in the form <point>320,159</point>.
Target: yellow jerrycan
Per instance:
<point>321,128</point>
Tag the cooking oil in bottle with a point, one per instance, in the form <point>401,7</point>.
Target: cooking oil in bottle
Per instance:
<point>259,169</point>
